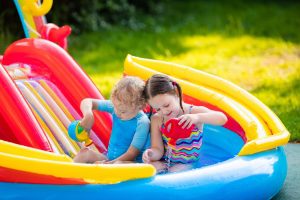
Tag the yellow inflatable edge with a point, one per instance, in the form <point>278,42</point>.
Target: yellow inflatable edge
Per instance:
<point>275,136</point>
<point>28,18</point>
<point>37,9</point>
<point>90,173</point>
<point>203,78</point>
<point>248,123</point>
<point>20,150</point>
<point>263,144</point>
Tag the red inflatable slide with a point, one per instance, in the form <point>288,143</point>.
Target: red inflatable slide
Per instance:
<point>20,123</point>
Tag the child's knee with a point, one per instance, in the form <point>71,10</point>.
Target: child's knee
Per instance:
<point>82,156</point>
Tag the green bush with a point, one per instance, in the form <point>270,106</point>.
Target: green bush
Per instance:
<point>9,20</point>
<point>83,15</point>
<point>94,14</point>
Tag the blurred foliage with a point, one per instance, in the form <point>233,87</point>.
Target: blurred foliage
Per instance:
<point>94,15</point>
<point>88,15</point>
<point>85,15</point>
<point>81,15</point>
<point>9,14</point>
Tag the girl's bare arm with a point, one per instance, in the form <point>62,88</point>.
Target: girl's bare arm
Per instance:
<point>201,115</point>
<point>157,148</point>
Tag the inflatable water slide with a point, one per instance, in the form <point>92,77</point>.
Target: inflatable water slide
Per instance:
<point>41,88</point>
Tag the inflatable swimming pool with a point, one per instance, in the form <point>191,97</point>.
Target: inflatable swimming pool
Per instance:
<point>221,175</point>
<point>41,88</point>
<point>242,160</point>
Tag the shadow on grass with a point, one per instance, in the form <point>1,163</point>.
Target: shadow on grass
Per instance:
<point>160,35</point>
<point>111,49</point>
<point>259,18</point>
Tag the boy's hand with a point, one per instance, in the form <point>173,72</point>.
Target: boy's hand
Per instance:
<point>87,121</point>
<point>186,121</point>
<point>147,155</point>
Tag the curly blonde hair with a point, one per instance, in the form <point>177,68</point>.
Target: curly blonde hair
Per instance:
<point>129,91</point>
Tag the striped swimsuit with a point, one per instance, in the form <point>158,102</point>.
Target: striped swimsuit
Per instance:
<point>187,149</point>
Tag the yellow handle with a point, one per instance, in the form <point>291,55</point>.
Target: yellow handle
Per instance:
<point>35,9</point>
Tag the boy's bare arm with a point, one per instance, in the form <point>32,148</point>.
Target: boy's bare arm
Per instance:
<point>129,155</point>
<point>87,106</point>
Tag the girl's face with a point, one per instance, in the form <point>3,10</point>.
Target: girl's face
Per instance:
<point>123,111</point>
<point>166,104</point>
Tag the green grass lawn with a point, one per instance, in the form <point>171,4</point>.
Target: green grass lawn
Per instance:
<point>254,44</point>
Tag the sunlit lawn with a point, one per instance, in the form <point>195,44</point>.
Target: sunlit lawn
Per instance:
<point>254,45</point>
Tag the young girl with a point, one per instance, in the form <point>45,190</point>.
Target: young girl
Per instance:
<point>165,96</point>
<point>130,130</point>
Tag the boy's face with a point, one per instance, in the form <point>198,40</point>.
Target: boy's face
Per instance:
<point>123,111</point>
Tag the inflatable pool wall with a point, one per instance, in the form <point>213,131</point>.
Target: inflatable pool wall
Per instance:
<point>41,88</point>
<point>246,151</point>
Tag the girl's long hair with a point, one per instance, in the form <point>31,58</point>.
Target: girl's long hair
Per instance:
<point>162,84</point>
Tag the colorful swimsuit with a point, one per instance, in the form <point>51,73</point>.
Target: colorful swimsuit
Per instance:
<point>186,150</point>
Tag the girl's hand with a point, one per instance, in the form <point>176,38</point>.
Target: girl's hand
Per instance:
<point>87,121</point>
<point>147,155</point>
<point>187,120</point>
